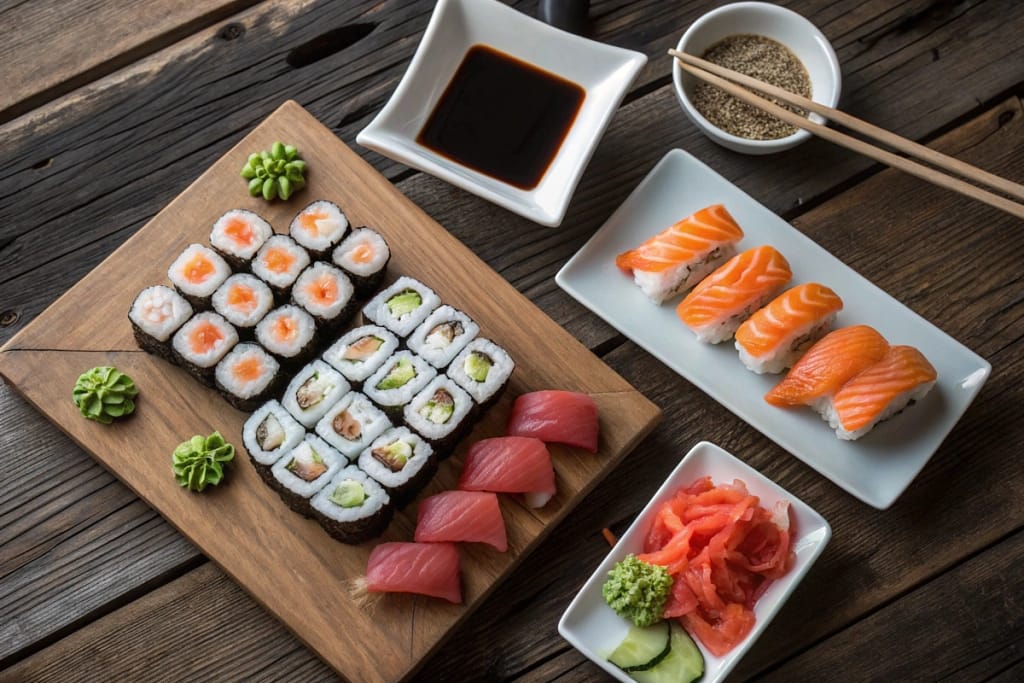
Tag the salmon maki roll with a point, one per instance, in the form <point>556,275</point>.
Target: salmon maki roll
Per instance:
<point>202,342</point>
<point>364,255</point>
<point>289,333</point>
<point>683,254</point>
<point>828,365</point>
<point>319,227</point>
<point>727,297</point>
<point>197,273</point>
<point>776,336</point>
<point>902,376</point>
<point>278,263</point>
<point>243,300</point>
<point>327,294</point>
<point>247,376</point>
<point>238,235</point>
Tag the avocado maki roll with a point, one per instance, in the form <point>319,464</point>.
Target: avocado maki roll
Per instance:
<point>352,423</point>
<point>278,263</point>
<point>483,369</point>
<point>156,314</point>
<point>402,306</point>
<point>319,227</point>
<point>364,255</point>
<point>327,294</point>
<point>238,235</point>
<point>304,470</point>
<point>247,376</point>
<point>268,434</point>
<point>360,352</point>
<point>394,384</point>
<point>401,461</point>
<point>313,391</point>
<point>442,335</point>
<point>352,507</point>
<point>243,300</point>
<point>440,413</point>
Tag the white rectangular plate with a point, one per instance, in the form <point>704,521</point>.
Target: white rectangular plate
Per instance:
<point>876,468</point>
<point>591,626</point>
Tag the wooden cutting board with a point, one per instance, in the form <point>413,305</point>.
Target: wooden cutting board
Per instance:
<point>284,561</point>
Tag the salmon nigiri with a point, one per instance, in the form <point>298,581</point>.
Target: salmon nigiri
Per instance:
<point>727,297</point>
<point>880,391</point>
<point>828,365</point>
<point>776,336</point>
<point>683,254</point>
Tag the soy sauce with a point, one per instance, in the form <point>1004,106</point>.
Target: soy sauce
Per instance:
<point>503,117</point>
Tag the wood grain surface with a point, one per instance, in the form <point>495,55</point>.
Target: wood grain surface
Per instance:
<point>287,563</point>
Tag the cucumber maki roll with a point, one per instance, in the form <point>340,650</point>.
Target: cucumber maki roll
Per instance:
<point>243,300</point>
<point>278,263</point>
<point>268,434</point>
<point>238,235</point>
<point>364,255</point>
<point>440,413</point>
<point>156,314</point>
<point>289,333</point>
<point>401,461</point>
<point>352,423</point>
<point>313,391</point>
<point>442,335</point>
<point>202,342</point>
<point>327,294</point>
<point>304,470</point>
<point>402,306</point>
<point>247,376</point>
<point>483,369</point>
<point>319,227</point>
<point>352,508</point>
<point>360,352</point>
<point>197,273</point>
<point>394,384</point>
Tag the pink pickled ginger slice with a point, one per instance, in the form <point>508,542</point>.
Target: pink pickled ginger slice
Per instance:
<point>508,464</point>
<point>463,516</point>
<point>556,417</point>
<point>425,568</point>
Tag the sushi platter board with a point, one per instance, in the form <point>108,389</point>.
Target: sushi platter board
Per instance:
<point>284,561</point>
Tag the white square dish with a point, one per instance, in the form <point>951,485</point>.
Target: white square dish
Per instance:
<point>603,71</point>
<point>593,628</point>
<point>876,468</point>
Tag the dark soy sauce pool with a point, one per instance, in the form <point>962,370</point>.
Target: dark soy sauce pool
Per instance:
<point>503,117</point>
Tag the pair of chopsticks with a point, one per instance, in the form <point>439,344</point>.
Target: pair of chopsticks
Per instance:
<point>730,81</point>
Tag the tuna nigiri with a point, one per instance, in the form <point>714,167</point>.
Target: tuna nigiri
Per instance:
<point>723,300</point>
<point>828,365</point>
<point>554,416</point>
<point>774,338</point>
<point>425,568</point>
<point>880,391</point>
<point>683,254</point>
<point>510,464</point>
<point>466,516</point>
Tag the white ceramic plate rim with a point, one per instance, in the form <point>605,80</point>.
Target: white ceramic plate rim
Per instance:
<point>878,467</point>
<point>812,534</point>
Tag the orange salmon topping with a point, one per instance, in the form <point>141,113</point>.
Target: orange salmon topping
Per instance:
<point>242,298</point>
<point>285,328</point>
<point>308,221</point>
<point>204,337</point>
<point>362,254</point>
<point>323,290</point>
<point>239,231</point>
<point>248,369</point>
<point>279,260</point>
<point>198,268</point>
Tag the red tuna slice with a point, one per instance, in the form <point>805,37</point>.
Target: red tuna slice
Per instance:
<point>556,417</point>
<point>467,516</point>
<point>509,464</point>
<point>426,568</point>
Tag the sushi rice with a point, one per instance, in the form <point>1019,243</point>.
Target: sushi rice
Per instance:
<point>313,391</point>
<point>402,306</point>
<point>352,423</point>
<point>361,351</point>
<point>156,314</point>
<point>482,368</point>
<point>352,507</point>
<point>442,335</point>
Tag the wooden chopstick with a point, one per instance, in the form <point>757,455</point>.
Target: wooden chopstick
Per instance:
<point>706,71</point>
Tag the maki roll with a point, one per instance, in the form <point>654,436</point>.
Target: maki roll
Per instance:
<point>243,300</point>
<point>197,273</point>
<point>326,293</point>
<point>319,227</point>
<point>364,255</point>
<point>156,314</point>
<point>360,352</point>
<point>278,263</point>
<point>202,342</point>
<point>394,384</point>
<point>401,461</point>
<point>440,413</point>
<point>402,306</point>
<point>442,335</point>
<point>304,470</point>
<point>238,235</point>
<point>268,434</point>
<point>313,391</point>
<point>247,376</point>
<point>352,423</point>
<point>289,333</point>
<point>482,369</point>
<point>352,508</point>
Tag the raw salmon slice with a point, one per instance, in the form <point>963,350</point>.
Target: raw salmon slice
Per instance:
<point>198,269</point>
<point>323,290</point>
<point>828,365</point>
<point>508,464</point>
<point>691,237</point>
<point>556,417</point>
<point>425,568</point>
<point>248,369</point>
<point>310,221</point>
<point>204,337</point>
<point>466,516</point>
<point>279,260</point>
<point>239,231</point>
<point>242,298</point>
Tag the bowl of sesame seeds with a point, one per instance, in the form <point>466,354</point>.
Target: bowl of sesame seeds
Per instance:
<point>767,42</point>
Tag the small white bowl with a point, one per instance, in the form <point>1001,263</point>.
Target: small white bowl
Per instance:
<point>780,24</point>
<point>593,628</point>
<point>605,72</point>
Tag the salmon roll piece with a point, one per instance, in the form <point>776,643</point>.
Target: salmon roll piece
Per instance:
<point>278,263</point>
<point>327,294</point>
<point>776,336</point>
<point>683,254</point>
<point>360,352</point>
<point>727,297</point>
<point>828,365</point>
<point>238,235</point>
<point>202,342</point>
<point>289,333</point>
<point>156,314</point>
<point>319,227</point>
<point>364,255</point>
<point>197,273</point>
<point>247,377</point>
<point>243,300</point>
<point>880,391</point>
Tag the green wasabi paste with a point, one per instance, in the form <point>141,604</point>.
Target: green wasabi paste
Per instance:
<point>637,590</point>
<point>104,393</point>
<point>199,462</point>
<point>278,172</point>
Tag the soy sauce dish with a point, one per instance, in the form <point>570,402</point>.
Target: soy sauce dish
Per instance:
<point>503,106</point>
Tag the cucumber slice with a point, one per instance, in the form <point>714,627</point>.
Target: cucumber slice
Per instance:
<point>643,647</point>
<point>683,663</point>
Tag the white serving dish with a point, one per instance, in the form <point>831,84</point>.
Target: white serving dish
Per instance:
<point>594,629</point>
<point>604,71</point>
<point>780,24</point>
<point>877,467</point>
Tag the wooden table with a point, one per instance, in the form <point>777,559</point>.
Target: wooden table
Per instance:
<point>109,109</point>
